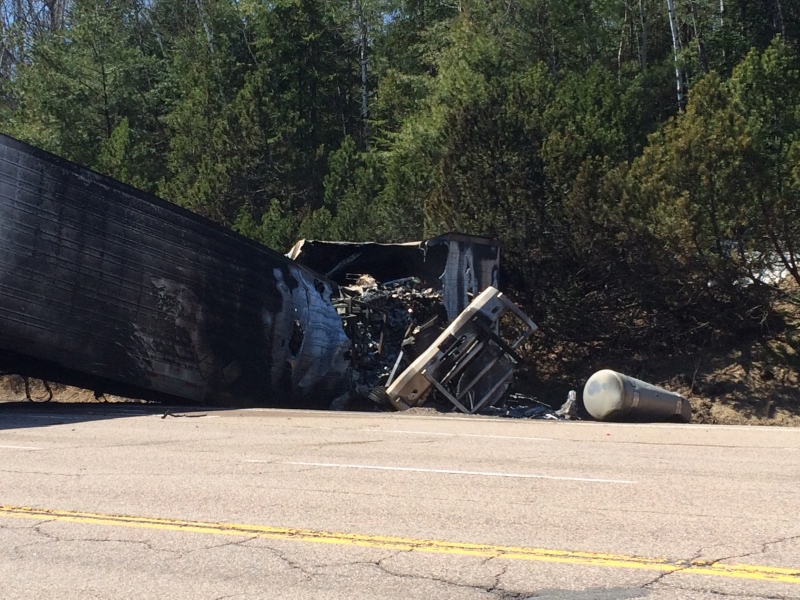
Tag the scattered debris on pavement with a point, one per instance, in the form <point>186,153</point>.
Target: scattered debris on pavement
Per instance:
<point>569,410</point>
<point>519,406</point>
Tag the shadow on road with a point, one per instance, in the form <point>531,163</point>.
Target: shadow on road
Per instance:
<point>24,415</point>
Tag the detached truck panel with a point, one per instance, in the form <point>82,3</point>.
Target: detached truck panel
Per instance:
<point>106,287</point>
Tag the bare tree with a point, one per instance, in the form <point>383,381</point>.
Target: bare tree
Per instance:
<point>21,22</point>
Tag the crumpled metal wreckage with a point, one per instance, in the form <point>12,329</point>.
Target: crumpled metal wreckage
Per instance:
<point>470,363</point>
<point>427,324</point>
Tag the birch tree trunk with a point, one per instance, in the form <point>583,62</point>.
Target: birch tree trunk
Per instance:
<point>676,47</point>
<point>362,52</point>
<point>206,28</point>
<point>698,38</point>
<point>779,22</point>
<point>643,22</point>
<point>623,31</point>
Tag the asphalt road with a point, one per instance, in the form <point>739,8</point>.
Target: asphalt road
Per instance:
<point>121,502</point>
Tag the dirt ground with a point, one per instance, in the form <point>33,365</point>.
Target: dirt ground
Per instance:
<point>753,382</point>
<point>12,389</point>
<point>738,387</point>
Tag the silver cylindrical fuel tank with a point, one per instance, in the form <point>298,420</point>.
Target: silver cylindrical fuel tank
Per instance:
<point>612,396</point>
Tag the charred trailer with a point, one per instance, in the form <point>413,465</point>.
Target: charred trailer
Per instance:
<point>105,287</point>
<point>460,266</point>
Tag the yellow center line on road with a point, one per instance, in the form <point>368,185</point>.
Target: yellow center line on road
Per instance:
<point>741,571</point>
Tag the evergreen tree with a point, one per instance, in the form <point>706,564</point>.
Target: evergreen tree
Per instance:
<point>90,93</point>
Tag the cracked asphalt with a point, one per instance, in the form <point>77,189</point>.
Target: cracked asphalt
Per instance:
<point>699,498</point>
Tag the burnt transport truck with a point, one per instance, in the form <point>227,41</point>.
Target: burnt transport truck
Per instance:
<point>105,287</point>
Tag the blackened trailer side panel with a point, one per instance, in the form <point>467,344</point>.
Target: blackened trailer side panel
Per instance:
<point>109,284</point>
